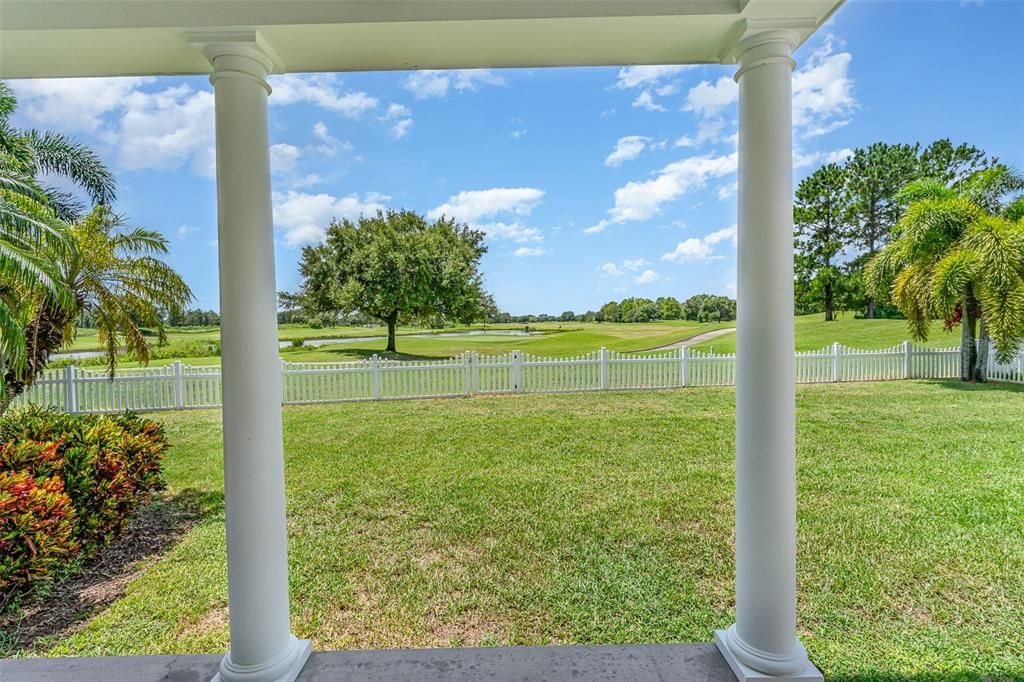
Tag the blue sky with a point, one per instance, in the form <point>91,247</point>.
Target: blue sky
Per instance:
<point>592,184</point>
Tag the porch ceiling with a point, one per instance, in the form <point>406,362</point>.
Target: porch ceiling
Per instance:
<point>55,38</point>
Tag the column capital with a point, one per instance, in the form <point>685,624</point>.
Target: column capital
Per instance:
<point>237,53</point>
<point>768,46</point>
<point>763,41</point>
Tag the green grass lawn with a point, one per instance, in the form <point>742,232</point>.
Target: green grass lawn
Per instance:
<point>606,518</point>
<point>559,339</point>
<point>87,339</point>
<point>813,333</point>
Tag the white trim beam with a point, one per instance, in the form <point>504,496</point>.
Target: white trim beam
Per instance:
<point>67,38</point>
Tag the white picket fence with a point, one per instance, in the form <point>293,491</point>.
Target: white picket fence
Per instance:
<point>180,386</point>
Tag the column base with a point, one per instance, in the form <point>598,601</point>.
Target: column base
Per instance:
<point>284,668</point>
<point>744,673</point>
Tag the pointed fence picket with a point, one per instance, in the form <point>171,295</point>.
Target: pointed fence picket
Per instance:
<point>179,386</point>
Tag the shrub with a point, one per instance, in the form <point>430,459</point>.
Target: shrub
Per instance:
<point>106,467</point>
<point>36,529</point>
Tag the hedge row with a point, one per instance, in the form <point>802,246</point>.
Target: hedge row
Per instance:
<point>69,484</point>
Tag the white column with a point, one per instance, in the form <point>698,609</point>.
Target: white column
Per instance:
<point>762,643</point>
<point>262,647</point>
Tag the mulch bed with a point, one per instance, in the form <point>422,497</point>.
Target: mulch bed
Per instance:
<point>67,605</point>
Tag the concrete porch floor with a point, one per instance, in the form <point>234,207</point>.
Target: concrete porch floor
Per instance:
<point>635,663</point>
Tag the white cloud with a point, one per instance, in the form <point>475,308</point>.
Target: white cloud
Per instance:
<point>707,130</point>
<point>482,208</point>
<point>396,110</point>
<point>626,149</point>
<point>167,129</point>
<point>803,159</point>
<point>283,157</point>
<point>700,249</point>
<point>73,104</point>
<point>516,134</point>
<point>726,191</point>
<point>653,81</point>
<point>708,100</point>
<point>322,90</point>
<point>647,75</point>
<point>645,100</point>
<point>635,264</point>
<point>473,205</point>
<point>838,155</point>
<point>610,269</point>
<point>426,84</point>
<point>646,277</point>
<point>185,230</point>
<point>529,251</point>
<point>399,118</point>
<point>823,91</point>
<point>329,145</point>
<point>687,250</point>
<point>818,131</point>
<point>308,180</point>
<point>514,231</point>
<point>726,233</point>
<point>641,200</point>
<point>400,128</point>
<point>304,217</point>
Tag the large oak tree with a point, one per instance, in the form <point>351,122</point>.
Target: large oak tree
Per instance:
<point>397,267</point>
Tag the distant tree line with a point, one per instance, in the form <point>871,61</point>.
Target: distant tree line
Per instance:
<point>845,213</point>
<point>699,308</point>
<point>194,318</point>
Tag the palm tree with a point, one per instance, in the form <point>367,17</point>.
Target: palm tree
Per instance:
<point>958,255</point>
<point>29,229</point>
<point>116,277</point>
<point>36,153</point>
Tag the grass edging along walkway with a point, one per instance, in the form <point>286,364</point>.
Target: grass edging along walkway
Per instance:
<point>608,518</point>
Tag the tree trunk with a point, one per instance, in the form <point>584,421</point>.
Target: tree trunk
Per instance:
<point>6,398</point>
<point>43,337</point>
<point>968,334</point>
<point>981,365</point>
<point>392,325</point>
<point>829,315</point>
<point>870,314</point>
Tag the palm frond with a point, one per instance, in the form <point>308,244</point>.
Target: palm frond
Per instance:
<point>924,188</point>
<point>59,154</point>
<point>951,276</point>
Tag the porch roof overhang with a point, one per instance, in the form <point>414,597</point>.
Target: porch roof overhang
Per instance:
<point>70,38</point>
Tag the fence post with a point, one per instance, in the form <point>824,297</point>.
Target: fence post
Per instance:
<point>837,359</point>
<point>284,381</point>
<point>375,376</point>
<point>178,386</point>
<point>517,371</point>
<point>684,365</point>
<point>906,360</point>
<point>467,378</point>
<point>474,369</point>
<point>603,374</point>
<point>70,391</point>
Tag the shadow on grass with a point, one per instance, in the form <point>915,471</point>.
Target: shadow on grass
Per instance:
<point>57,609</point>
<point>354,353</point>
<point>957,385</point>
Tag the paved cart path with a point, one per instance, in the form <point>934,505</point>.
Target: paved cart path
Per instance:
<point>694,340</point>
